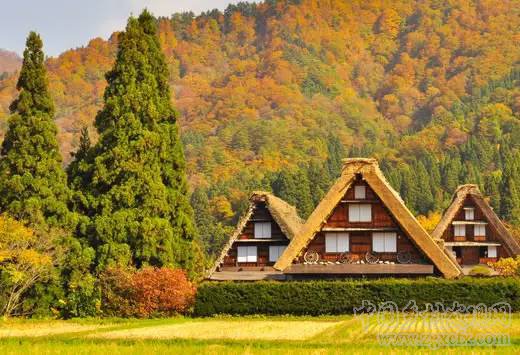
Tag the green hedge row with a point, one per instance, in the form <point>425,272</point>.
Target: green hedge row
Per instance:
<point>341,297</point>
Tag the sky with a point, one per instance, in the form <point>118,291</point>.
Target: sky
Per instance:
<point>65,24</point>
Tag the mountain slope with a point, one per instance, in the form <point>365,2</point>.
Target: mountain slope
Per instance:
<point>9,61</point>
<point>266,87</point>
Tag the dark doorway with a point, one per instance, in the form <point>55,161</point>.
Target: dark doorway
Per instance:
<point>470,256</point>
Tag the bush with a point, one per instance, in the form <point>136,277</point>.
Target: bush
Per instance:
<point>341,297</point>
<point>507,266</point>
<point>480,270</point>
<point>149,292</point>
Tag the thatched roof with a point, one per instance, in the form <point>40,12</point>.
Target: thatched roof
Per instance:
<point>369,169</point>
<point>471,190</point>
<point>284,214</point>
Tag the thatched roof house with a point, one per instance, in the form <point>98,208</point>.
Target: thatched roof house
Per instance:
<point>366,172</point>
<point>283,225</point>
<point>469,226</point>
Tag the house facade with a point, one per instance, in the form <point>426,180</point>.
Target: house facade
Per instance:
<point>261,236</point>
<point>363,228</point>
<point>472,231</point>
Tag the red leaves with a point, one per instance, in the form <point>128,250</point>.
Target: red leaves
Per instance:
<point>149,292</point>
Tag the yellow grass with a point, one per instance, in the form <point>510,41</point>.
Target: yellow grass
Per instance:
<point>222,329</point>
<point>45,328</point>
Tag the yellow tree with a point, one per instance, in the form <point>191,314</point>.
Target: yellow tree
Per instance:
<point>24,260</point>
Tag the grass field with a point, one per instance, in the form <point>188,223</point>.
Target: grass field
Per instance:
<point>245,335</point>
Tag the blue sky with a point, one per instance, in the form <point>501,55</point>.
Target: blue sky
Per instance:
<point>66,24</point>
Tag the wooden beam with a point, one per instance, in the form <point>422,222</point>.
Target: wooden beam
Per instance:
<point>358,269</point>
<point>353,229</point>
<point>246,275</point>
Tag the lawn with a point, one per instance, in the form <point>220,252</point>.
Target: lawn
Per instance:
<point>244,335</point>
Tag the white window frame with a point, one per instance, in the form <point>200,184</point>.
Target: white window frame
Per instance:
<point>384,242</point>
<point>459,230</point>
<point>337,242</point>
<point>262,230</point>
<point>492,251</point>
<point>469,213</point>
<point>275,251</point>
<point>481,230</point>
<point>250,255</point>
<point>360,192</point>
<point>355,212</point>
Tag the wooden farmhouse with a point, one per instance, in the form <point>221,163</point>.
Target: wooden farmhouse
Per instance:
<point>261,236</point>
<point>363,228</point>
<point>472,231</point>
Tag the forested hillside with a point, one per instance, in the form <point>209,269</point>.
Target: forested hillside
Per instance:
<point>273,95</point>
<point>9,62</point>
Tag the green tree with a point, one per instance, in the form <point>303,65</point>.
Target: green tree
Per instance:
<point>213,233</point>
<point>33,185</point>
<point>294,188</point>
<point>134,177</point>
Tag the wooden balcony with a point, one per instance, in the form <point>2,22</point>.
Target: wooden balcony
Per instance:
<point>247,274</point>
<point>361,269</point>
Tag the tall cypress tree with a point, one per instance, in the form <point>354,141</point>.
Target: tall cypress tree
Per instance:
<point>134,177</point>
<point>33,185</point>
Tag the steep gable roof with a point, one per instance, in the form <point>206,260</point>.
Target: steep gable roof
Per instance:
<point>457,202</point>
<point>371,173</point>
<point>284,214</point>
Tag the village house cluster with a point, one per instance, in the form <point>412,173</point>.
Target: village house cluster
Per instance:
<point>361,228</point>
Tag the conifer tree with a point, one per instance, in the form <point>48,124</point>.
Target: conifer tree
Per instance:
<point>424,202</point>
<point>213,233</point>
<point>33,184</point>
<point>134,177</point>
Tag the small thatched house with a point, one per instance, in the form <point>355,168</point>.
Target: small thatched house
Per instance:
<point>261,236</point>
<point>362,227</point>
<point>472,231</point>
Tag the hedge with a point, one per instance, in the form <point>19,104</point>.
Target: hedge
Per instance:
<point>341,297</point>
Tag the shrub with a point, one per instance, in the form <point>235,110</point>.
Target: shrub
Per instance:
<point>341,297</point>
<point>117,292</point>
<point>507,266</point>
<point>162,292</point>
<point>145,293</point>
<point>480,270</point>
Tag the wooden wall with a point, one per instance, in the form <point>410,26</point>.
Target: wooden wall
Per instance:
<point>492,234</point>
<point>361,241</point>
<point>260,214</point>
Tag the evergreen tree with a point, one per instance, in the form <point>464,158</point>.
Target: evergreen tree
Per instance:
<point>424,202</point>
<point>409,189</point>
<point>295,189</point>
<point>134,177</point>
<point>336,154</point>
<point>33,185</point>
<point>212,233</point>
<point>319,180</point>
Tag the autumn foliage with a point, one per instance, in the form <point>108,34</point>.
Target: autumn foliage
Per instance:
<point>148,292</point>
<point>507,266</point>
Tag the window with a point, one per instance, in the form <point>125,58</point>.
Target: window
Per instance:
<point>263,230</point>
<point>336,242</point>
<point>275,251</point>
<point>492,252</point>
<point>360,192</point>
<point>460,231</point>
<point>384,242</point>
<point>469,213</point>
<point>480,230</point>
<point>246,254</point>
<point>359,213</point>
